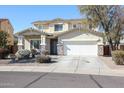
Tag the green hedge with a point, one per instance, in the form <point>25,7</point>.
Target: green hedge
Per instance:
<point>118,57</point>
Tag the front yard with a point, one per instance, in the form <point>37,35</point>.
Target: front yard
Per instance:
<point>67,64</point>
<point>111,64</point>
<point>27,62</point>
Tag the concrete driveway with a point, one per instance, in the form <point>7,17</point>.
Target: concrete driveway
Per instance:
<point>65,64</point>
<point>80,64</point>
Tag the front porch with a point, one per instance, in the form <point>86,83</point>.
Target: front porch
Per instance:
<point>34,39</point>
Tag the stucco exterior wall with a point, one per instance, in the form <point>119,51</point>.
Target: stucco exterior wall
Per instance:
<point>26,43</point>
<point>84,42</point>
<point>122,41</point>
<point>50,27</point>
<point>80,36</point>
<point>29,38</point>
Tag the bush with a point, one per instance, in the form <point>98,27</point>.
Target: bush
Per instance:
<point>3,44</point>
<point>45,52</point>
<point>3,39</point>
<point>43,59</point>
<point>118,57</point>
<point>4,53</point>
<point>33,52</point>
<point>22,54</point>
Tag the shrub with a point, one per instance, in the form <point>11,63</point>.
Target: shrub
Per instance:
<point>118,57</point>
<point>6,52</point>
<point>3,44</point>
<point>45,52</point>
<point>3,39</point>
<point>22,54</point>
<point>33,52</point>
<point>43,59</point>
<point>12,56</point>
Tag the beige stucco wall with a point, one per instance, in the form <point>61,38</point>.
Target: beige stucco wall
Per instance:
<point>80,36</point>
<point>51,27</point>
<point>28,39</point>
<point>26,43</point>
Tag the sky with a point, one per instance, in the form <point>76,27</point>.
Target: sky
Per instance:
<point>22,16</point>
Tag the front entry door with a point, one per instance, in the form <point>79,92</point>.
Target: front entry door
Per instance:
<point>53,46</point>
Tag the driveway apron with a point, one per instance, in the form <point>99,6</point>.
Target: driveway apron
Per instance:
<point>80,64</point>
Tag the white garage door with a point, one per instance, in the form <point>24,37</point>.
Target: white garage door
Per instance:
<point>80,48</point>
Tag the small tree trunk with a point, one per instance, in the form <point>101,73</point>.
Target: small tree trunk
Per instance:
<point>110,49</point>
<point>110,46</point>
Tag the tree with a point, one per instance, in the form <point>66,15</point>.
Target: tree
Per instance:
<point>3,39</point>
<point>109,18</point>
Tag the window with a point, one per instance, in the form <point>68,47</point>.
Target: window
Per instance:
<point>58,27</point>
<point>40,27</point>
<point>35,44</point>
<point>74,26</point>
<point>45,27</point>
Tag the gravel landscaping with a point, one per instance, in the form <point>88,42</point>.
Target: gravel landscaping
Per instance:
<point>111,64</point>
<point>27,62</point>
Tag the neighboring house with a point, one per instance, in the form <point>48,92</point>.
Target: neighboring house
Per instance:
<point>62,37</point>
<point>6,26</point>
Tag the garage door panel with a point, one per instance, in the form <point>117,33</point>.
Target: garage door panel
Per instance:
<point>80,48</point>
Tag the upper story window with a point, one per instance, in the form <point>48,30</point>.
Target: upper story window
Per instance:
<point>58,27</point>
<point>74,26</point>
<point>42,27</point>
<point>77,26</point>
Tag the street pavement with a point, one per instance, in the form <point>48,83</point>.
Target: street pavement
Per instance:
<point>58,80</point>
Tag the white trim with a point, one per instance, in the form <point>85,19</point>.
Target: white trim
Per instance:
<point>80,48</point>
<point>42,44</point>
<point>34,39</point>
<point>90,40</point>
<point>20,44</point>
<point>58,23</point>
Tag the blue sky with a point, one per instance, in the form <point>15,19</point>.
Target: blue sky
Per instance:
<point>21,17</point>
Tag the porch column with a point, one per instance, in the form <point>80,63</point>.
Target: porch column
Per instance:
<point>20,42</point>
<point>60,49</point>
<point>43,42</point>
<point>100,50</point>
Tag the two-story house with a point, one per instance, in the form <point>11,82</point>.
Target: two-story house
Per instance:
<point>60,36</point>
<point>6,26</point>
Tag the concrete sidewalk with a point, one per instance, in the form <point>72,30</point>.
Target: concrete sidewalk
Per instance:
<point>67,64</point>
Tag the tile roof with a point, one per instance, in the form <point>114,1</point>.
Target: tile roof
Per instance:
<point>80,30</point>
<point>30,31</point>
<point>57,19</point>
<point>3,19</point>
